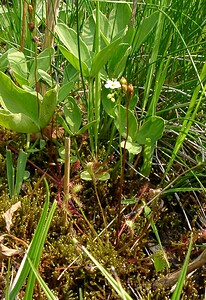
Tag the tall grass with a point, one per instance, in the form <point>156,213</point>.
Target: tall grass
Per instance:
<point>174,70</point>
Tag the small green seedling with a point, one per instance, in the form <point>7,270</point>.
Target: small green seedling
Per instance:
<point>160,257</point>
<point>16,176</point>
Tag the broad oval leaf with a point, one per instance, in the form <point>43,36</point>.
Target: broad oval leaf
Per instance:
<point>16,100</point>
<point>64,91</point>
<point>86,176</point>
<point>101,176</point>
<point>108,104</point>
<point>45,77</point>
<point>102,57</point>
<point>43,62</point>
<point>105,28</point>
<point>118,60</point>
<point>47,107</point>
<point>72,115</point>
<point>131,147</point>
<point>144,30</point>
<point>119,18</point>
<point>121,122</point>
<point>153,129</point>
<point>88,32</point>
<point>17,62</point>
<point>74,61</point>
<point>18,122</point>
<point>3,62</point>
<point>21,111</point>
<point>69,39</point>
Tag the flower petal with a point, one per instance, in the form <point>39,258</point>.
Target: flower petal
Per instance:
<point>112,84</point>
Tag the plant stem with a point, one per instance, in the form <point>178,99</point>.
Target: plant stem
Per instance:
<point>97,79</point>
<point>23,34</point>
<point>100,205</point>
<point>51,16</point>
<point>67,167</point>
<point>90,114</point>
<point>79,50</point>
<point>123,163</point>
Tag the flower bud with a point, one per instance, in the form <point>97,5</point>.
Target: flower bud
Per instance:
<point>130,90</point>
<point>123,81</point>
<point>31,26</point>
<point>109,96</point>
<point>124,88</point>
<point>30,8</point>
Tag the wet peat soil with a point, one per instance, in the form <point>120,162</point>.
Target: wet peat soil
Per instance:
<point>126,248</point>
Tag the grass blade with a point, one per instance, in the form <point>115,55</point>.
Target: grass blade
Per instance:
<point>10,172</point>
<point>34,249</point>
<point>189,117</point>
<point>43,285</point>
<point>177,293</point>
<point>38,251</point>
<point>116,286</point>
<point>20,170</point>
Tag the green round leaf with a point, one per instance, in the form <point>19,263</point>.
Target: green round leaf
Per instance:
<point>153,129</point>
<point>132,148</point>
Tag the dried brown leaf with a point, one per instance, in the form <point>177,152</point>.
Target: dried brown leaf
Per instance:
<point>8,252</point>
<point>9,214</point>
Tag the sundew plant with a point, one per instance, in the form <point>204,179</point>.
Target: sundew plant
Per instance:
<point>102,149</point>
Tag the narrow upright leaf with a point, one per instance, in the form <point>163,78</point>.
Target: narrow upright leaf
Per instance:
<point>20,170</point>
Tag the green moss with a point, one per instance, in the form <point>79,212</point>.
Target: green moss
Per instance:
<point>133,267</point>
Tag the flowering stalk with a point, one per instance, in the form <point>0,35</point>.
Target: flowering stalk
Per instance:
<point>128,90</point>
<point>119,90</point>
<point>90,114</point>
<point>97,99</point>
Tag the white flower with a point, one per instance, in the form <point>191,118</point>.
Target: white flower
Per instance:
<point>112,84</point>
